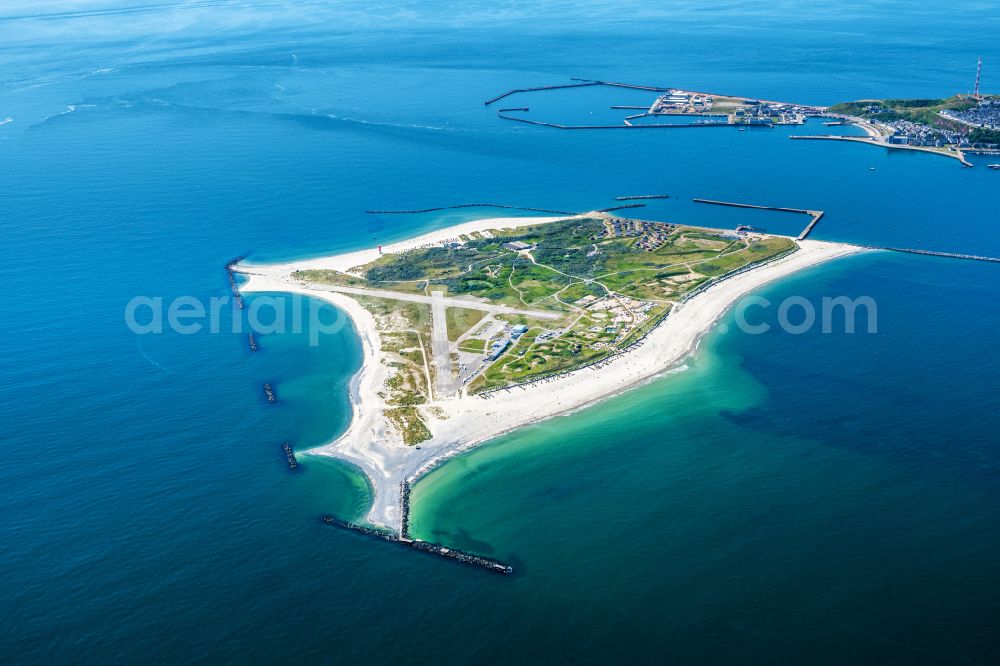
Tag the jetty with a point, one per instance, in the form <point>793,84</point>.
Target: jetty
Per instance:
<point>519,108</point>
<point>461,556</point>
<point>935,253</point>
<point>467,205</point>
<point>625,125</point>
<point>537,210</point>
<point>816,215</point>
<point>487,563</point>
<point>623,207</point>
<point>579,83</point>
<point>404,507</point>
<point>629,197</point>
<point>617,84</point>
<point>231,272</point>
<point>364,529</point>
<point>956,154</point>
<point>290,458</point>
<point>536,89</point>
<point>269,393</point>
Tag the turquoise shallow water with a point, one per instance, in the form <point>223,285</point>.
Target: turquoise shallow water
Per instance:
<point>787,498</point>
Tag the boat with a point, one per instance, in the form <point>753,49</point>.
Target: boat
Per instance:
<point>993,166</point>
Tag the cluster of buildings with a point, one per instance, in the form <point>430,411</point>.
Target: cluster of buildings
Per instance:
<point>741,232</point>
<point>986,114</point>
<point>754,112</point>
<point>732,110</point>
<point>500,346</point>
<point>652,235</point>
<point>678,101</point>
<point>547,335</point>
<point>907,133</point>
<point>624,314</point>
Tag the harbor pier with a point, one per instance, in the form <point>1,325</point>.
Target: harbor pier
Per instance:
<point>814,214</point>
<point>956,154</point>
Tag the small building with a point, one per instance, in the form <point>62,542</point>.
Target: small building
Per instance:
<point>497,348</point>
<point>516,246</point>
<point>518,331</point>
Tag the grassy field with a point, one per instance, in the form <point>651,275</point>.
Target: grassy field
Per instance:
<point>473,345</point>
<point>461,320</point>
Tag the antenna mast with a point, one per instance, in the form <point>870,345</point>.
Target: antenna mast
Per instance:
<point>979,70</point>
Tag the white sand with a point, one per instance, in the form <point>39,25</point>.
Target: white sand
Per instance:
<point>470,420</point>
<point>344,262</point>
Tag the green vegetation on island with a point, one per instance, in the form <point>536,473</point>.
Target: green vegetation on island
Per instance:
<point>923,111</point>
<point>408,422</point>
<point>984,135</point>
<point>576,291</point>
<point>461,320</point>
<point>961,120</point>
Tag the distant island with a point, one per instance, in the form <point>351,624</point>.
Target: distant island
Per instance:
<point>481,328</point>
<point>951,127</point>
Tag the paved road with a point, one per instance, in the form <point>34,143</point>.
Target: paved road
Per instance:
<point>449,301</point>
<point>444,384</point>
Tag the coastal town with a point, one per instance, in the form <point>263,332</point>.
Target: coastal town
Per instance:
<point>984,115</point>
<point>961,122</point>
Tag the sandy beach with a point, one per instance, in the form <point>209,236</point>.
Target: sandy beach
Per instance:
<point>460,423</point>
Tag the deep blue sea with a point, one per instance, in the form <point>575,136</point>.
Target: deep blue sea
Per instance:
<point>813,498</point>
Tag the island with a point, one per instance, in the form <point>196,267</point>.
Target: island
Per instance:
<point>950,126</point>
<point>475,330</point>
